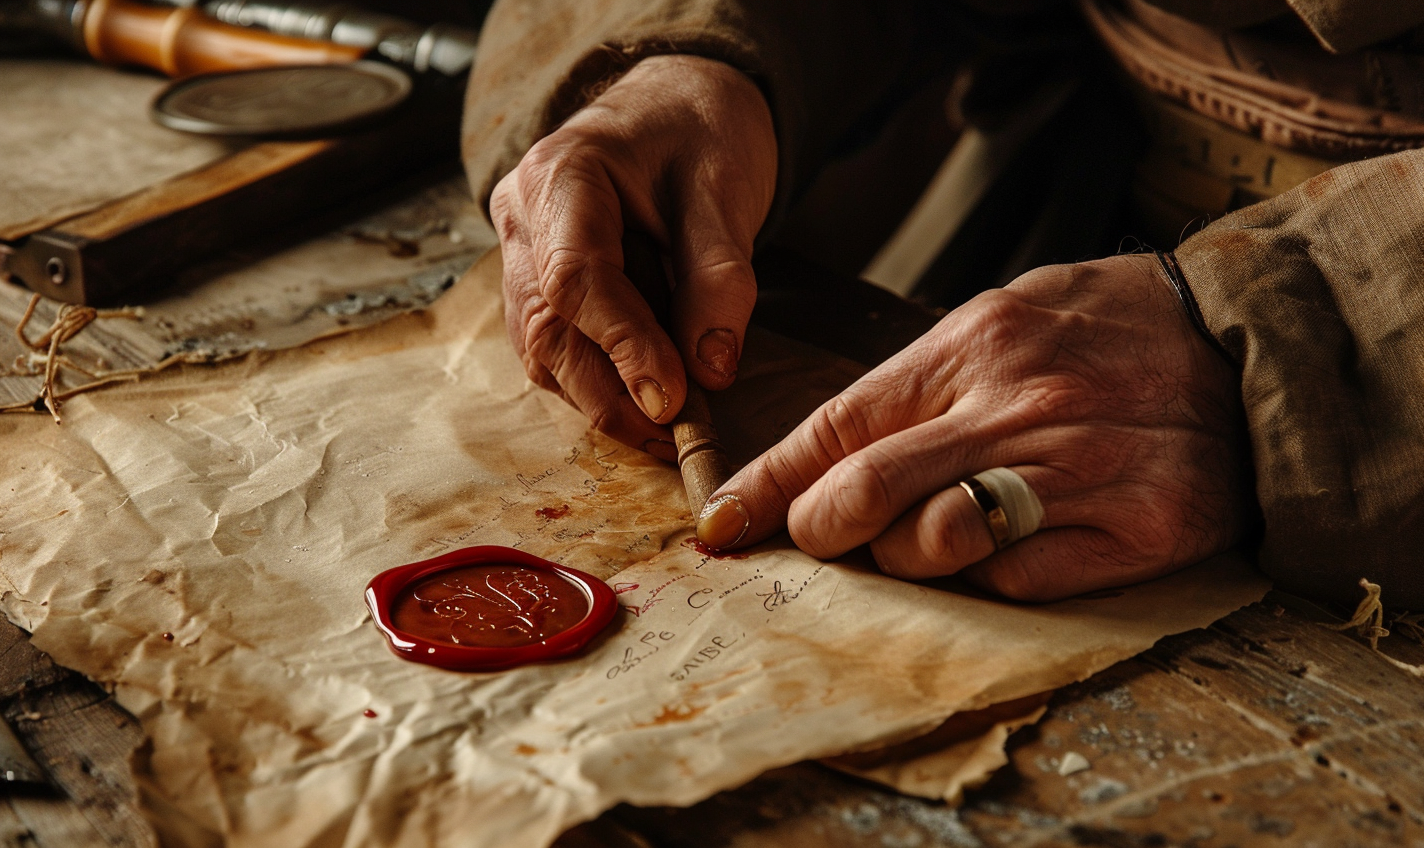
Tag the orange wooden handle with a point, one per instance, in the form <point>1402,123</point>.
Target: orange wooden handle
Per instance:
<point>182,42</point>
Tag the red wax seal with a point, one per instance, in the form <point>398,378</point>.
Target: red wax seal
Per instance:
<point>488,608</point>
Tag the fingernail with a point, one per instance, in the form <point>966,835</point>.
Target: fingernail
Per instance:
<point>651,397</point>
<point>662,449</point>
<point>723,522</point>
<point>717,349</point>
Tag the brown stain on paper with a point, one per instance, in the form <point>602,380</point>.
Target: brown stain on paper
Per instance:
<point>675,715</point>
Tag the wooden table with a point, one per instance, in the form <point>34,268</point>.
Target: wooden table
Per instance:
<point>1265,729</point>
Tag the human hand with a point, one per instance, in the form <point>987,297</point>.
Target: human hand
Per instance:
<point>682,149</point>
<point>1088,380</point>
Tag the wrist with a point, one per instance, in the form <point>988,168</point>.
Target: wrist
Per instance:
<point>1177,280</point>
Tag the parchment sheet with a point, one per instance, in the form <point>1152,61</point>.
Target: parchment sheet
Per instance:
<point>963,753</point>
<point>54,166</point>
<point>242,508</point>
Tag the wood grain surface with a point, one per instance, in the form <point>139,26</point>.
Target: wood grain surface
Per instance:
<point>76,732</point>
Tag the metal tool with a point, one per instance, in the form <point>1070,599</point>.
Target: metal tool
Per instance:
<point>446,48</point>
<point>54,20</point>
<point>281,102</point>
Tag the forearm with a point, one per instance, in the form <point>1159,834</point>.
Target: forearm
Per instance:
<point>1317,297</point>
<point>821,66</point>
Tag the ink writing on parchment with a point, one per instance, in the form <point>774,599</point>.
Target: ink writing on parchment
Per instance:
<point>780,596</point>
<point>648,644</point>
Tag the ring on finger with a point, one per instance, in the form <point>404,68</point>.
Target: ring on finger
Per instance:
<point>1010,507</point>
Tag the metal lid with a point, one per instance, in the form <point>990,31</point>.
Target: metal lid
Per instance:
<point>299,100</point>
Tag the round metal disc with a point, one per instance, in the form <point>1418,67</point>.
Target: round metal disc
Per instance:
<point>299,100</point>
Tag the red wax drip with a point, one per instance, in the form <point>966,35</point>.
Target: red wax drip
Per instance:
<point>549,513</point>
<point>368,713</point>
<point>168,637</point>
<point>488,608</point>
<point>698,545</point>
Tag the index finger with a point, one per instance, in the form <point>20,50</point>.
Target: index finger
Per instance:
<point>576,241</point>
<point>754,503</point>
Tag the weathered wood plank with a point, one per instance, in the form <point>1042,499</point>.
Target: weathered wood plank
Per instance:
<point>76,732</point>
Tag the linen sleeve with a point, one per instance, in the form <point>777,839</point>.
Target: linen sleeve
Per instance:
<point>820,63</point>
<point>1318,295</point>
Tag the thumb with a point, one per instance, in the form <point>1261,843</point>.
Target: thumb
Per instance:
<point>715,294</point>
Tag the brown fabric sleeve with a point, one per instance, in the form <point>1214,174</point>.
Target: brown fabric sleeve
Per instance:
<point>821,64</point>
<point>1339,25</point>
<point>1345,25</point>
<point>1318,295</point>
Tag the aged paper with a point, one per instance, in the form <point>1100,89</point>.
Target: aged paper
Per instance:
<point>960,754</point>
<point>241,508</point>
<point>54,166</point>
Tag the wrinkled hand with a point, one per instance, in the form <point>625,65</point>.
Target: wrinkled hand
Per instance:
<point>1088,380</point>
<point>682,149</point>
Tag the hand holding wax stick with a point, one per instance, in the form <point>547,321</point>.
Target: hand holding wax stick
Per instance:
<point>700,456</point>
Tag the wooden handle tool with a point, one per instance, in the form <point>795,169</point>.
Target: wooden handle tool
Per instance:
<point>184,41</point>
<point>700,456</point>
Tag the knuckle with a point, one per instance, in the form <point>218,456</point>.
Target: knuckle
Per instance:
<point>563,159</point>
<point>502,207</point>
<point>841,428</point>
<point>541,333</point>
<point>991,317</point>
<point>563,281</point>
<point>1162,533</point>
<point>603,416</point>
<point>1013,582</point>
<point>866,488</point>
<point>783,473</point>
<point>543,157</point>
<point>942,534</point>
<point>736,286</point>
<point>627,344</point>
<point>1138,552</point>
<point>808,538</point>
<point>540,376</point>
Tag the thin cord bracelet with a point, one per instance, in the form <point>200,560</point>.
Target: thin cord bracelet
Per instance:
<point>1189,301</point>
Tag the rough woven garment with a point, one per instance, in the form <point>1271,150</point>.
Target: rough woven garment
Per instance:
<point>242,508</point>
<point>1317,295</point>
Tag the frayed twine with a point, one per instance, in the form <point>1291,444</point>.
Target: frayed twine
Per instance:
<point>45,354</point>
<point>1368,623</point>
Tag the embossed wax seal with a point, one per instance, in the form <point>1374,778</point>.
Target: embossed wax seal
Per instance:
<point>488,608</point>
<point>297,100</point>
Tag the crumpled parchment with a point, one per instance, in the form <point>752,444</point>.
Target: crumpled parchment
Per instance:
<point>242,508</point>
<point>963,753</point>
